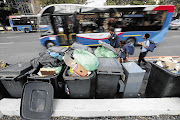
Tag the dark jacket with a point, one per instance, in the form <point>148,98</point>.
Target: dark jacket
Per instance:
<point>114,40</point>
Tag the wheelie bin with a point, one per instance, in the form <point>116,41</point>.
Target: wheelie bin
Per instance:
<point>162,83</point>
<point>109,73</point>
<point>13,77</point>
<point>80,87</point>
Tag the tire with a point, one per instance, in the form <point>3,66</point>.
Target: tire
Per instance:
<point>131,41</point>
<point>49,44</point>
<point>26,30</point>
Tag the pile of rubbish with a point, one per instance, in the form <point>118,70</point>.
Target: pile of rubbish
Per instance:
<point>173,65</point>
<point>48,63</point>
<point>79,58</point>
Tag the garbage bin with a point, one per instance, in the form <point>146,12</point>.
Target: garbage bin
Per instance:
<point>145,79</point>
<point>37,101</point>
<point>80,87</point>
<point>133,80</point>
<point>55,80</point>
<point>13,78</point>
<point>108,76</point>
<point>162,83</point>
<point>3,92</point>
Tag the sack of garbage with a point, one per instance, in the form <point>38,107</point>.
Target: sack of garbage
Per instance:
<point>104,52</point>
<point>86,59</point>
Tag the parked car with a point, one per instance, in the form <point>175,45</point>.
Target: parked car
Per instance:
<point>174,25</point>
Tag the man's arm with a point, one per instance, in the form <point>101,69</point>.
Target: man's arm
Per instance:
<point>146,44</point>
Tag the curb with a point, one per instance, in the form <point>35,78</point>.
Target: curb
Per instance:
<point>153,57</point>
<point>102,107</point>
<point>1,115</point>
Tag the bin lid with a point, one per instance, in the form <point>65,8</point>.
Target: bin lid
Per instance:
<point>109,66</point>
<point>104,44</point>
<point>15,70</point>
<point>37,101</point>
<point>132,67</point>
<point>57,49</point>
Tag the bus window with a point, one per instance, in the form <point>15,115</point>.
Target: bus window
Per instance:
<point>45,26</point>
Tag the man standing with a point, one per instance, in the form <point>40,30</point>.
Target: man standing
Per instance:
<point>144,49</point>
<point>113,38</point>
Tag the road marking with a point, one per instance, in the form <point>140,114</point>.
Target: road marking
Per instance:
<point>175,36</point>
<point>13,37</point>
<point>6,43</point>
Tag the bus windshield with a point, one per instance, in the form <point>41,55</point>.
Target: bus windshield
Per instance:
<point>93,23</point>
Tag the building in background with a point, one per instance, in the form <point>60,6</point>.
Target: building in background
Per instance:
<point>25,7</point>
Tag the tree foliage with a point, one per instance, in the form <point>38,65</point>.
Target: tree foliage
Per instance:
<point>130,2</point>
<point>48,2</point>
<point>4,13</point>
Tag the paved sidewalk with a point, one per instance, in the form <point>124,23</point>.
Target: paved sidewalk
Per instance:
<point>102,107</point>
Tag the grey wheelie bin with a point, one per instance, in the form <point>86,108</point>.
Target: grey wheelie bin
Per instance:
<point>80,87</point>
<point>162,83</point>
<point>133,80</point>
<point>13,78</point>
<point>109,73</point>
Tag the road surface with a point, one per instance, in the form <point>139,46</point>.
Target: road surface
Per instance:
<point>22,47</point>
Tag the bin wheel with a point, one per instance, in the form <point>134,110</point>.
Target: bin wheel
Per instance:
<point>131,41</point>
<point>49,44</point>
<point>26,30</point>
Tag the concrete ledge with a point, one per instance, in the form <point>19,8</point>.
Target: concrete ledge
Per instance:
<point>1,115</point>
<point>102,107</point>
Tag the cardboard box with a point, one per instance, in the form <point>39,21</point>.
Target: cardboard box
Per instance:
<point>178,59</point>
<point>165,59</point>
<point>80,71</point>
<point>170,65</point>
<point>68,60</point>
<point>47,71</point>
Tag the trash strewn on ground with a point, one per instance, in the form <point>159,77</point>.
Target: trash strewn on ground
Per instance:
<point>2,64</point>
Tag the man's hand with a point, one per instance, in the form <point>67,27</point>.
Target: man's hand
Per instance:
<point>140,43</point>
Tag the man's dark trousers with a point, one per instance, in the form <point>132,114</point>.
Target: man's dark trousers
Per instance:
<point>141,57</point>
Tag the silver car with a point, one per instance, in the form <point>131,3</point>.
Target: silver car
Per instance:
<point>174,25</point>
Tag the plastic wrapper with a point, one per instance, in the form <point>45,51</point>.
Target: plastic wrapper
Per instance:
<point>58,69</point>
<point>104,52</point>
<point>86,59</point>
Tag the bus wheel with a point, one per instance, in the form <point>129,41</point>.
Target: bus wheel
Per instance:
<point>49,44</point>
<point>131,41</point>
<point>26,30</point>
